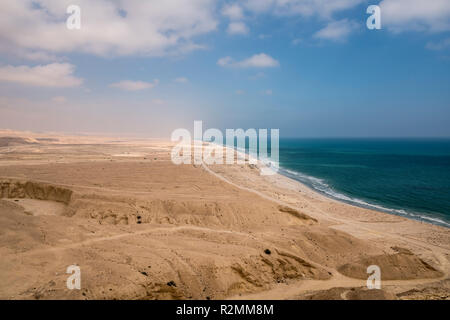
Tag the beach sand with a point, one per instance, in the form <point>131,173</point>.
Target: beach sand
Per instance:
<point>141,227</point>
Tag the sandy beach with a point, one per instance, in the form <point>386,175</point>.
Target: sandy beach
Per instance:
<point>141,227</point>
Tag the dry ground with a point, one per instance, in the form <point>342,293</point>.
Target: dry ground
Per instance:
<point>141,227</point>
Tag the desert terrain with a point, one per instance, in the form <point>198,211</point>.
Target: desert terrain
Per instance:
<point>141,227</point>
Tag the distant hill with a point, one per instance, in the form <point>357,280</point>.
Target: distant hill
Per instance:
<point>13,141</point>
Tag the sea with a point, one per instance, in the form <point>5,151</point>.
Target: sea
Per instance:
<point>406,177</point>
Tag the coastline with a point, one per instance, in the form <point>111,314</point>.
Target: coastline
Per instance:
<point>136,223</point>
<point>293,192</point>
<point>387,230</point>
<point>340,197</point>
<point>286,188</point>
<point>363,204</point>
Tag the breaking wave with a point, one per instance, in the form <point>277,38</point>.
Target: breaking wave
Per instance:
<point>321,186</point>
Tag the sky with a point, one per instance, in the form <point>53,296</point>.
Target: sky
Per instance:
<point>310,68</point>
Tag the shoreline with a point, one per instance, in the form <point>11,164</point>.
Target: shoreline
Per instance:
<point>283,184</point>
<point>365,205</point>
<point>136,224</point>
<point>285,172</point>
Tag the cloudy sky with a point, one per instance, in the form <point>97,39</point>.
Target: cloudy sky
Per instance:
<point>308,67</point>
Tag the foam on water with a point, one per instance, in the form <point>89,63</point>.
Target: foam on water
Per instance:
<point>321,186</point>
<point>372,159</point>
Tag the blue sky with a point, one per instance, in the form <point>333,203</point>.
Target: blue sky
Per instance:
<point>308,67</point>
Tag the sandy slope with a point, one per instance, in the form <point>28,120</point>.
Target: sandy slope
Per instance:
<point>140,227</point>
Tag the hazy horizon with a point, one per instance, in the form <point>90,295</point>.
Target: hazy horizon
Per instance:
<point>309,68</point>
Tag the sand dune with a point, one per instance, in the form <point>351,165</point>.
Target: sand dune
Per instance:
<point>141,227</point>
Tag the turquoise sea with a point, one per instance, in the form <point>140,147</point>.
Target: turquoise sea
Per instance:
<point>406,177</point>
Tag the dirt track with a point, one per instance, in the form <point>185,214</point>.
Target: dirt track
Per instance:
<point>140,227</point>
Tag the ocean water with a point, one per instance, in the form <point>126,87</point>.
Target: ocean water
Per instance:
<point>406,177</point>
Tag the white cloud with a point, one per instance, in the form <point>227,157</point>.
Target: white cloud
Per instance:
<point>35,29</point>
<point>233,12</point>
<point>306,8</point>
<point>129,85</point>
<point>148,28</point>
<point>181,80</point>
<point>415,15</point>
<point>260,60</point>
<point>337,30</point>
<point>225,61</point>
<point>440,45</point>
<point>259,6</point>
<point>237,28</point>
<point>39,56</point>
<point>58,75</point>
